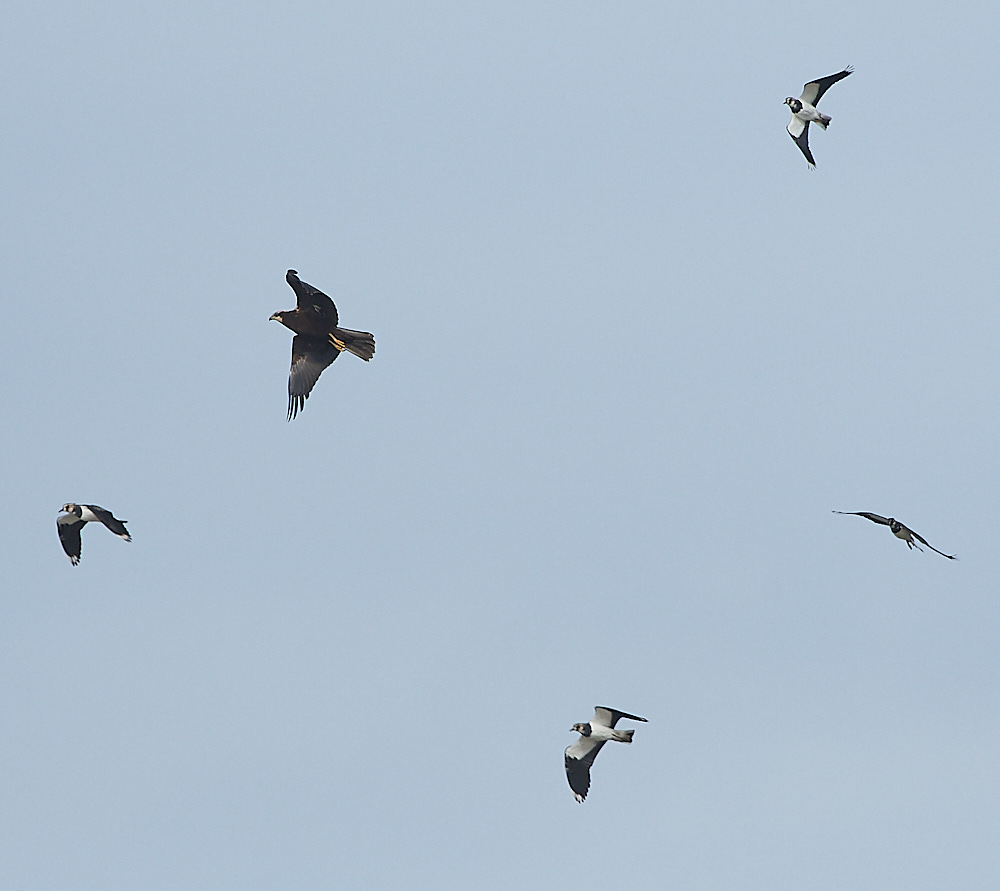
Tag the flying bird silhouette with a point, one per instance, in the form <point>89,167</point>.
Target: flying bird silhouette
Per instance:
<point>71,523</point>
<point>580,755</point>
<point>318,340</point>
<point>804,111</point>
<point>897,529</point>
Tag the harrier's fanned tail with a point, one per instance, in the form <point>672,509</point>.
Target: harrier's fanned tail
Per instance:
<point>361,343</point>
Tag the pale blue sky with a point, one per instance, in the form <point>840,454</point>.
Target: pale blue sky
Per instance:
<point>631,353</point>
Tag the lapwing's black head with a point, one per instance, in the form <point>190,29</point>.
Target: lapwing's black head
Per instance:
<point>68,508</point>
<point>794,104</point>
<point>581,728</point>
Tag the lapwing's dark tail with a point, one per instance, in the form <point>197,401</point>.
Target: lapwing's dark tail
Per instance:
<point>361,343</point>
<point>625,736</point>
<point>824,120</point>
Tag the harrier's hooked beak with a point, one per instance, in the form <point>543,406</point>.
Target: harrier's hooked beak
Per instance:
<point>275,318</point>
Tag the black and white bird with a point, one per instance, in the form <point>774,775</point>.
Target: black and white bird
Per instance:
<point>594,734</point>
<point>76,517</point>
<point>897,529</point>
<point>804,111</point>
<point>318,340</point>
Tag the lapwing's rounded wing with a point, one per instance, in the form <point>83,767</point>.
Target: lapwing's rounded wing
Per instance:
<point>608,717</point>
<point>813,91</point>
<point>579,757</point>
<point>934,549</point>
<point>875,518</point>
<point>310,357</point>
<point>307,297</point>
<point>69,527</point>
<point>108,519</point>
<point>799,131</point>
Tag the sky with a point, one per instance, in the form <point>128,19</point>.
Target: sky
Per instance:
<point>631,354</point>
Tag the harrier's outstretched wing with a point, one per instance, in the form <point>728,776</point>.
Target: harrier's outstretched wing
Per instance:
<point>309,298</point>
<point>310,357</point>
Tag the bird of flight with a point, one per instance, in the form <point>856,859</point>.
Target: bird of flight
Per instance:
<point>580,755</point>
<point>897,529</point>
<point>318,339</point>
<point>804,111</point>
<point>71,523</point>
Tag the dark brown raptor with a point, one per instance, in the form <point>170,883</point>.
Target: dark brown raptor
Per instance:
<point>318,339</point>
